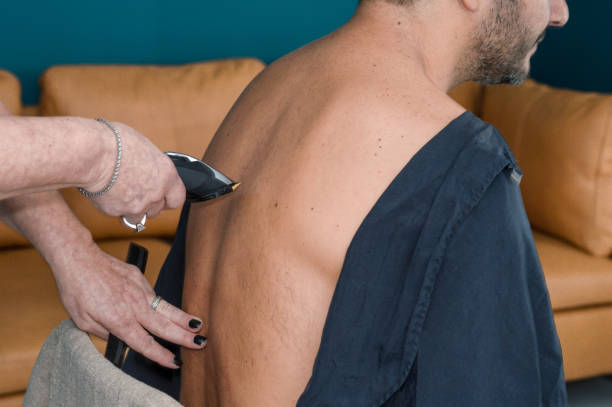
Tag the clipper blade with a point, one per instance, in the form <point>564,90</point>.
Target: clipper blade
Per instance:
<point>202,181</point>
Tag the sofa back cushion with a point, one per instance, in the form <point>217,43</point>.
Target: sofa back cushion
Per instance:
<point>178,108</point>
<point>10,91</point>
<point>469,95</point>
<point>563,142</point>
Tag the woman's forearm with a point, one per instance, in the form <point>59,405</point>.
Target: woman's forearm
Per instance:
<point>48,153</point>
<point>47,222</point>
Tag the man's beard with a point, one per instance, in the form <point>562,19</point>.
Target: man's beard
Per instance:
<point>501,47</point>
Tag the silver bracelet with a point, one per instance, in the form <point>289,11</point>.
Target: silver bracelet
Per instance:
<point>117,164</point>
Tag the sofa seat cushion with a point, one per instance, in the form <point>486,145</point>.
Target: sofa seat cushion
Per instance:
<point>12,400</point>
<point>30,307</point>
<point>179,108</point>
<point>30,110</point>
<point>575,279</point>
<point>585,341</point>
<point>562,140</point>
<point>10,91</point>
<point>10,238</point>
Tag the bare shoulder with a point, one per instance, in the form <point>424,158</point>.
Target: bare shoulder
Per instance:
<point>366,131</point>
<point>414,110</point>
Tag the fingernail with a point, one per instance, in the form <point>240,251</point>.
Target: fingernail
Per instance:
<point>199,340</point>
<point>194,323</point>
<point>177,361</point>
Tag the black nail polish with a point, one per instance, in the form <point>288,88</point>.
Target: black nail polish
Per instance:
<point>177,361</point>
<point>199,340</point>
<point>194,323</point>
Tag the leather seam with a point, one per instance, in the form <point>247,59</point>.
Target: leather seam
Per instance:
<point>598,181</point>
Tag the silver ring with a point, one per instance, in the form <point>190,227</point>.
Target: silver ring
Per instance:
<point>139,227</point>
<point>156,302</point>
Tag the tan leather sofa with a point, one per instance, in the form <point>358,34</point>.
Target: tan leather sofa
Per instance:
<point>562,139</point>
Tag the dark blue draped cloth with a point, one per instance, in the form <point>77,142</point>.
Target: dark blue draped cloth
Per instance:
<point>441,300</point>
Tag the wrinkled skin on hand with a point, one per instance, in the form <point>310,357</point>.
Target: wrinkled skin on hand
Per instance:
<point>103,294</point>
<point>147,183</point>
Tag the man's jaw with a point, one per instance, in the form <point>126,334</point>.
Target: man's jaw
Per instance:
<point>540,38</point>
<point>535,47</point>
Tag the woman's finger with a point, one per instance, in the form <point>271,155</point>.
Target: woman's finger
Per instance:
<point>155,209</point>
<point>91,326</point>
<point>176,195</point>
<point>140,341</point>
<point>178,316</point>
<point>163,328</point>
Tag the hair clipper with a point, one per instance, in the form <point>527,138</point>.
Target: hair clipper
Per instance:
<point>202,181</point>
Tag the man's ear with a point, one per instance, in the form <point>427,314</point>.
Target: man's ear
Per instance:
<point>471,5</point>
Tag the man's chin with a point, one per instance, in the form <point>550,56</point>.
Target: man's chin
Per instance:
<point>521,76</point>
<point>515,80</point>
<point>512,77</point>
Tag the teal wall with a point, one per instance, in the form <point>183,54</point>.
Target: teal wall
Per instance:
<point>37,34</point>
<point>579,56</point>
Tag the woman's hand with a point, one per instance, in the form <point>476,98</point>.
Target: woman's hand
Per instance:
<point>103,294</point>
<point>147,183</point>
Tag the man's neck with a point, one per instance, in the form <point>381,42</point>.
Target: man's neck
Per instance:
<point>427,39</point>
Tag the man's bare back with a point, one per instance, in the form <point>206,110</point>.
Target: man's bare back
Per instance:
<point>315,140</point>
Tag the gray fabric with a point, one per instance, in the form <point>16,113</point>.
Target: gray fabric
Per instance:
<point>70,371</point>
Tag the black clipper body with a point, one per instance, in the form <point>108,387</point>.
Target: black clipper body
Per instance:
<point>202,181</point>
